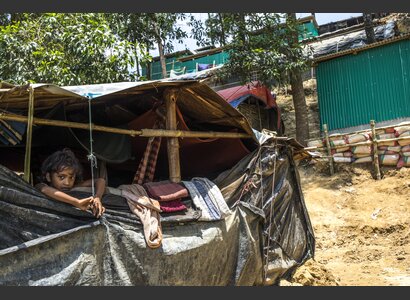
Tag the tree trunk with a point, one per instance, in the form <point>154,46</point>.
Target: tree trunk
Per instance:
<point>368,27</point>
<point>298,95</point>
<point>162,58</point>
<point>160,48</point>
<point>137,62</point>
<point>301,111</point>
<point>222,37</point>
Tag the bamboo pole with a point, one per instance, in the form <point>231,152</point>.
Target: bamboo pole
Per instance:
<point>358,143</point>
<point>366,130</point>
<point>27,158</point>
<point>170,96</point>
<point>329,152</point>
<point>142,132</point>
<point>375,152</point>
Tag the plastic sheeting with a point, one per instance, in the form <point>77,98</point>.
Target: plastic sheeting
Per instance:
<point>45,242</point>
<point>350,40</point>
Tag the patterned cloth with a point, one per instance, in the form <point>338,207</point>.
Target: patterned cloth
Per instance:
<point>166,190</point>
<point>207,196</point>
<point>172,206</point>
<point>146,168</point>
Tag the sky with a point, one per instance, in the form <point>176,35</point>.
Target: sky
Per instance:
<point>321,18</point>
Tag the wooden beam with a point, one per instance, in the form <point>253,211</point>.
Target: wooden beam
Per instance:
<point>27,158</point>
<point>375,151</point>
<point>141,133</point>
<point>170,96</point>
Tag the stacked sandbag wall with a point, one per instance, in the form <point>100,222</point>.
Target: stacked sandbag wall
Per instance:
<point>357,148</point>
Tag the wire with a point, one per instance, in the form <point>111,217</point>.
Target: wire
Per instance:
<point>91,157</point>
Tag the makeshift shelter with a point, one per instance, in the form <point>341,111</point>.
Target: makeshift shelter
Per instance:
<point>265,236</point>
<point>256,102</point>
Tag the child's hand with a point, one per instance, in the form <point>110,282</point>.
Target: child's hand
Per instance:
<point>97,208</point>
<point>85,204</point>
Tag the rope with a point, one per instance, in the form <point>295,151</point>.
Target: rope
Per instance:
<point>271,211</point>
<point>91,157</point>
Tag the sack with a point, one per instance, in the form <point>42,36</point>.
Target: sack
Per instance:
<point>356,138</point>
<point>365,159</point>
<point>389,160</point>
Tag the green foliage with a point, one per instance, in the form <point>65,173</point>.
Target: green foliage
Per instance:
<point>261,45</point>
<point>65,49</point>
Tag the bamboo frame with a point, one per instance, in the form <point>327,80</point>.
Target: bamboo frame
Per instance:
<point>133,133</point>
<point>374,142</point>
<point>27,158</point>
<point>170,96</point>
<point>359,143</point>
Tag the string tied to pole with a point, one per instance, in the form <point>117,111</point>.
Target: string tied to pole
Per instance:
<point>91,157</point>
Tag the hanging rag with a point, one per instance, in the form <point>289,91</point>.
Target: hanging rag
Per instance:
<point>147,210</point>
<point>207,196</point>
<point>146,168</point>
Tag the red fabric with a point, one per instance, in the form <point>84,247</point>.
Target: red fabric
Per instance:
<point>198,156</point>
<point>166,190</point>
<point>146,168</point>
<point>255,88</point>
<point>172,206</point>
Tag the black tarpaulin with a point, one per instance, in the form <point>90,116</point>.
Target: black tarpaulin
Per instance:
<point>45,242</point>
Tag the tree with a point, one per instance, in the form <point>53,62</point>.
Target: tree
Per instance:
<point>64,49</point>
<point>296,83</point>
<point>266,44</point>
<point>163,29</point>
<point>130,27</point>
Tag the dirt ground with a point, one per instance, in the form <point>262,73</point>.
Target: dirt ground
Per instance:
<point>361,227</point>
<point>361,224</point>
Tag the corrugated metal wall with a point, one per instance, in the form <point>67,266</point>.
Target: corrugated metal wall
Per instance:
<point>371,85</point>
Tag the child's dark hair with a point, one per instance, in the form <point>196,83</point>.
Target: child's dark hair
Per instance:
<point>60,160</point>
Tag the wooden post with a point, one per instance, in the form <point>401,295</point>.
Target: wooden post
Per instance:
<point>29,134</point>
<point>170,96</point>
<point>375,152</point>
<point>329,151</point>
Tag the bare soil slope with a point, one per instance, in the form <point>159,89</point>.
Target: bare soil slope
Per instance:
<point>361,227</point>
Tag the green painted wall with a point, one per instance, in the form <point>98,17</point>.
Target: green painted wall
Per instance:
<point>371,85</point>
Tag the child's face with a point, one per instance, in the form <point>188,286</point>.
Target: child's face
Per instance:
<point>62,180</point>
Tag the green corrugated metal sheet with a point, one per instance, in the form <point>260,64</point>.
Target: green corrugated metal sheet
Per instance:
<point>190,65</point>
<point>307,30</point>
<point>371,85</point>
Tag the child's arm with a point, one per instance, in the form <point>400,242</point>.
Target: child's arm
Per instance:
<point>82,204</point>
<point>98,208</point>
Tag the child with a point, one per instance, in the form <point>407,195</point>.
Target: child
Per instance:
<point>62,171</point>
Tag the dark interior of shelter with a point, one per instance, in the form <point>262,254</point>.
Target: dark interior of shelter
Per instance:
<point>119,155</point>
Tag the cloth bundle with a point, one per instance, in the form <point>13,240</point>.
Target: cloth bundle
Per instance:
<point>207,196</point>
<point>168,194</point>
<point>147,210</point>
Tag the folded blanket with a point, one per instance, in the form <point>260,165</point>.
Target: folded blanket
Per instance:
<point>166,190</point>
<point>207,197</point>
<point>172,206</point>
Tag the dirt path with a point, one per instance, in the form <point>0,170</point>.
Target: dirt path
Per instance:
<point>361,227</point>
